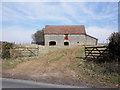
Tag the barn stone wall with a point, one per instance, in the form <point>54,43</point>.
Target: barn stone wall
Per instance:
<point>57,38</point>
<point>73,39</point>
<point>76,39</point>
<point>90,40</point>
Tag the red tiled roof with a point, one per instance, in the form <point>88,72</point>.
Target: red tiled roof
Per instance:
<point>64,29</point>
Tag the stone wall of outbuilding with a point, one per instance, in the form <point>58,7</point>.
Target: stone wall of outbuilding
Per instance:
<point>73,39</point>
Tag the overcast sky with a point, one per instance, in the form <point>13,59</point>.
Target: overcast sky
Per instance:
<point>21,19</point>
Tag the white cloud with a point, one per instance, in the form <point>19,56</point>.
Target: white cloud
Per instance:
<point>80,12</point>
<point>34,11</point>
<point>100,33</point>
<point>17,34</point>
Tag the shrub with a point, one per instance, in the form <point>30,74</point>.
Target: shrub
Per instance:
<point>114,46</point>
<point>6,49</point>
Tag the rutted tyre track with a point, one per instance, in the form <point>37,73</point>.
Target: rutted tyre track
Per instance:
<point>39,69</point>
<point>54,72</point>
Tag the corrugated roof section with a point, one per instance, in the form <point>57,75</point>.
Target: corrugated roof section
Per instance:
<point>64,29</point>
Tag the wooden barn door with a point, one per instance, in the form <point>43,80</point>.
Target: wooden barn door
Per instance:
<point>66,37</point>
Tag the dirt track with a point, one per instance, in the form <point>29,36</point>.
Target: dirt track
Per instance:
<point>59,72</point>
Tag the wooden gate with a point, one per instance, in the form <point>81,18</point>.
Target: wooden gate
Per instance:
<point>24,51</point>
<point>96,52</point>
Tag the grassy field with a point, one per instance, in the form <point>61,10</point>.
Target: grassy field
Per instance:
<point>62,63</point>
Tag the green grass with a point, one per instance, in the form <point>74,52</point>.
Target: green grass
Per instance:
<point>13,62</point>
<point>55,59</point>
<point>8,66</point>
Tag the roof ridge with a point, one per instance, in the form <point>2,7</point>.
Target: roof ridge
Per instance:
<point>76,29</point>
<point>64,25</point>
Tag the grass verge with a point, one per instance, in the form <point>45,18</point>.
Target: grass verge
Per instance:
<point>101,73</point>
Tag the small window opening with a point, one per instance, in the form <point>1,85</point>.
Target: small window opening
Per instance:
<point>52,43</point>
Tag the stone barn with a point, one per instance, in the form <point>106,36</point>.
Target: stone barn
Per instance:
<point>67,35</point>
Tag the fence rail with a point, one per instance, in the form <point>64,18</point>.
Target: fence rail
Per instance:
<point>96,52</point>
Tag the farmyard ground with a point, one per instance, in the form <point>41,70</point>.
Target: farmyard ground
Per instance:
<point>61,65</point>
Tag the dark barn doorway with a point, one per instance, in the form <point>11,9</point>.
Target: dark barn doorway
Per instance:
<point>66,43</point>
<point>52,43</point>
